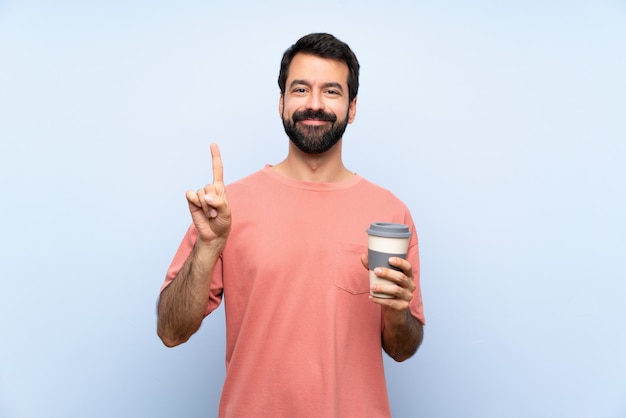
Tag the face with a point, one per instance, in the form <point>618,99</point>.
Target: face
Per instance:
<point>315,107</point>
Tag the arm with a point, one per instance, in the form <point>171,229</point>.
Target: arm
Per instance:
<point>402,335</point>
<point>183,302</point>
<point>402,332</point>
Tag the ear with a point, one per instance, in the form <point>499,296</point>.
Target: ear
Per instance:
<point>281,105</point>
<point>352,111</point>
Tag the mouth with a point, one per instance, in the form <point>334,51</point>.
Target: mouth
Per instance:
<point>313,122</point>
<point>313,118</point>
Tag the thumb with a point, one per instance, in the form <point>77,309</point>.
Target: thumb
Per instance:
<point>365,261</point>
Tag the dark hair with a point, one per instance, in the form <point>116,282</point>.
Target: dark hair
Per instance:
<point>322,45</point>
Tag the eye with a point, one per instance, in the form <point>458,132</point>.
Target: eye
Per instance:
<point>299,90</point>
<point>333,92</point>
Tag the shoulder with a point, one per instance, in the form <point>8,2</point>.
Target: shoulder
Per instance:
<point>254,187</point>
<point>251,181</point>
<point>385,201</point>
<point>377,190</point>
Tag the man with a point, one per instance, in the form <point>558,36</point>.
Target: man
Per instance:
<point>303,335</point>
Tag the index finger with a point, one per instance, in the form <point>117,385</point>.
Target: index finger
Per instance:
<point>218,168</point>
<point>402,264</point>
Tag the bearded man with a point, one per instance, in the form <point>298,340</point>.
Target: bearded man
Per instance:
<point>285,249</point>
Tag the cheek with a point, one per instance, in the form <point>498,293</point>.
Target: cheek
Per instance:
<point>288,109</point>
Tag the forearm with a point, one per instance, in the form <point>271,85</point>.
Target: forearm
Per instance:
<point>182,304</point>
<point>402,336</point>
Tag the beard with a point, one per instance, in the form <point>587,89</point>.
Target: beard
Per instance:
<point>314,139</point>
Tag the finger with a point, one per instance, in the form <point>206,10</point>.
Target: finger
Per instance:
<point>407,269</point>
<point>192,198</point>
<point>203,202</point>
<point>400,279</point>
<point>389,274</point>
<point>364,261</point>
<point>212,206</point>
<point>218,168</point>
<point>393,290</point>
<point>396,304</point>
<point>402,264</point>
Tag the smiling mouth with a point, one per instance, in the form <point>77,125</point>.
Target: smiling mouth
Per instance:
<point>314,121</point>
<point>313,118</point>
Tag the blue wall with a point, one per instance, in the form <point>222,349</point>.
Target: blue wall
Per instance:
<point>506,124</point>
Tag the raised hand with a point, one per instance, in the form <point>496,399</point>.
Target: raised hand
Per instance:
<point>209,207</point>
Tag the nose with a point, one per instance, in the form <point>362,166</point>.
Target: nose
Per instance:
<point>314,101</point>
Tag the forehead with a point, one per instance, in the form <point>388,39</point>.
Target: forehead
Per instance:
<point>315,69</point>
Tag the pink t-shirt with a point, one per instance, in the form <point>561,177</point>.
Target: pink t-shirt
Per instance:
<point>303,339</point>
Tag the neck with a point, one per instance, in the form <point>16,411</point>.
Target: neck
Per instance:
<point>317,168</point>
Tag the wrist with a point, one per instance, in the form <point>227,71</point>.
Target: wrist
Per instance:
<point>394,318</point>
<point>209,250</point>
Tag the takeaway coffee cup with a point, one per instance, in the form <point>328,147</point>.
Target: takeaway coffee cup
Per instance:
<point>385,240</point>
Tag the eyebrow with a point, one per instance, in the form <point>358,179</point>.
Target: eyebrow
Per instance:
<point>325,85</point>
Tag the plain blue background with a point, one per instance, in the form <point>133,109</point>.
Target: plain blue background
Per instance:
<point>505,125</point>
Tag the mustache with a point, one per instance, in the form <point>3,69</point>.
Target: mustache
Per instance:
<point>313,114</point>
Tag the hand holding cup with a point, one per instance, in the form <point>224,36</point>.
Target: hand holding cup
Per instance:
<point>385,240</point>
